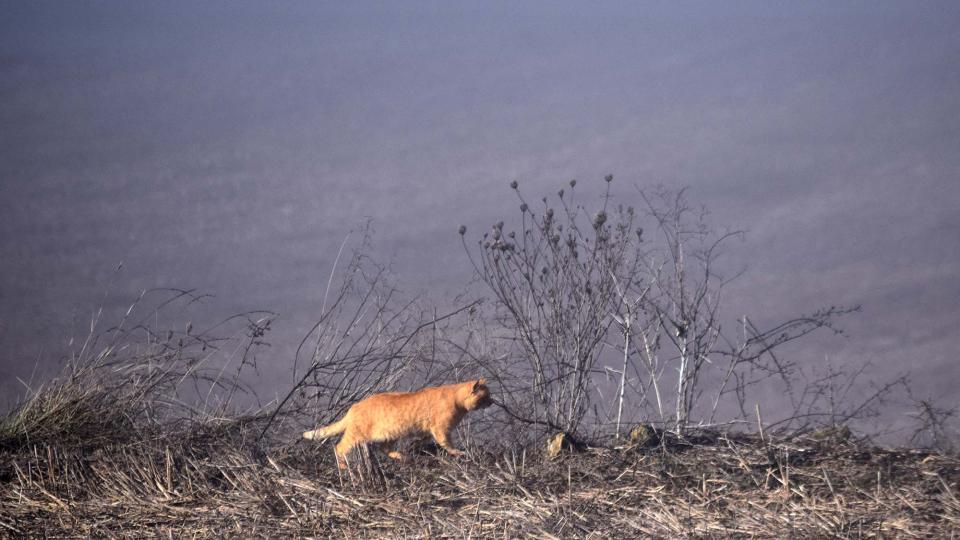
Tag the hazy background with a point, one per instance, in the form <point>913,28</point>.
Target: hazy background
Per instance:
<point>230,147</point>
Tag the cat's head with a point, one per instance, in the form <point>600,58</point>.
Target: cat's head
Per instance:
<point>477,396</point>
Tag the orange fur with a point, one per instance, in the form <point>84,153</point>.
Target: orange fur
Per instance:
<point>384,418</point>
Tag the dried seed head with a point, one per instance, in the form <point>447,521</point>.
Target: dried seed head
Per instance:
<point>463,230</point>
<point>600,219</point>
<point>608,178</point>
<point>573,183</point>
<point>513,184</point>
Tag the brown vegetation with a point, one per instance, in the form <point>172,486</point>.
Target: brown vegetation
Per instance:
<point>209,481</point>
<point>141,436</point>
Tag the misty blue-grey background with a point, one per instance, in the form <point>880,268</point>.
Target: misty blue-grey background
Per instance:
<point>230,147</point>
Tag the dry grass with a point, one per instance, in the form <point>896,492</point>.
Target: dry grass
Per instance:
<point>112,449</point>
<point>210,480</point>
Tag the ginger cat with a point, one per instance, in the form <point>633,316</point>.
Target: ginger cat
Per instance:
<point>389,416</point>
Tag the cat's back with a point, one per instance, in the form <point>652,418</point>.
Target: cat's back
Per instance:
<point>410,406</point>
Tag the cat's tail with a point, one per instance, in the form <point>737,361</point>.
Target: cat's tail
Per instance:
<point>327,431</point>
